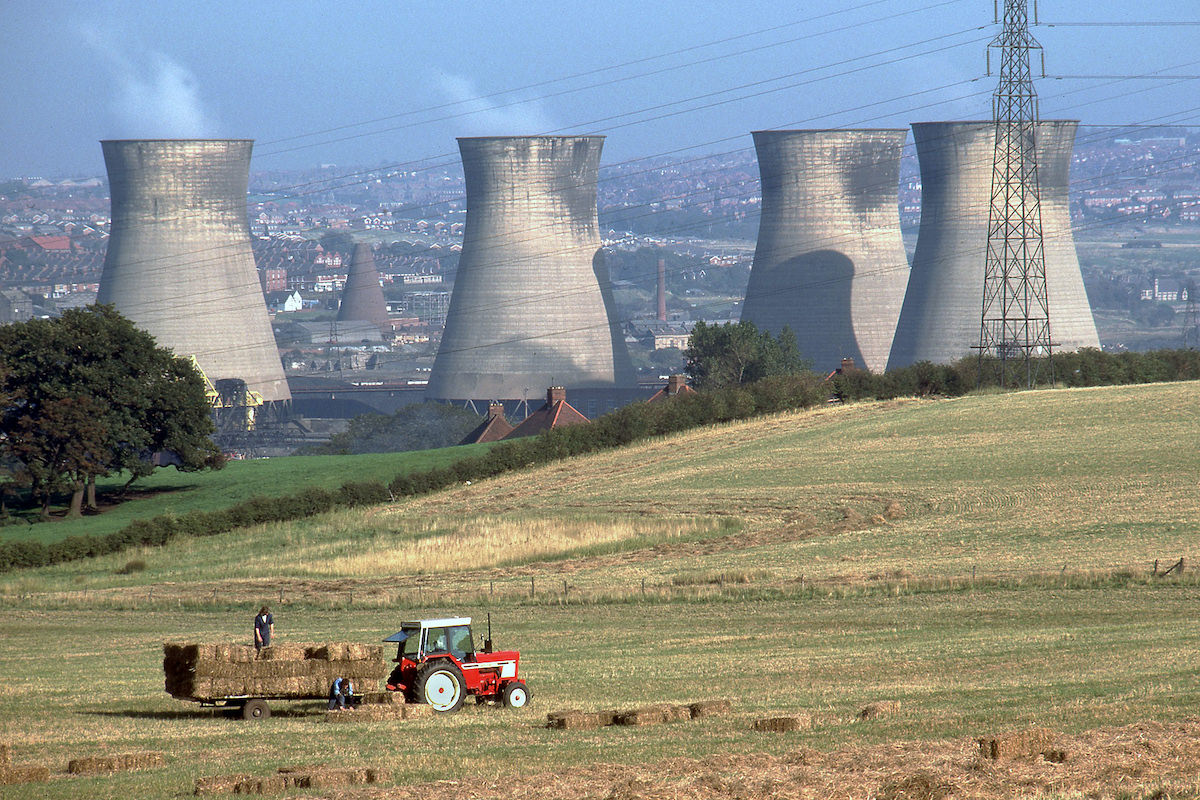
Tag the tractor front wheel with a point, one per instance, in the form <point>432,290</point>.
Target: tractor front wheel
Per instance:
<point>516,695</point>
<point>441,685</point>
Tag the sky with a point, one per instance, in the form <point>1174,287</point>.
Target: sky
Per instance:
<point>370,83</point>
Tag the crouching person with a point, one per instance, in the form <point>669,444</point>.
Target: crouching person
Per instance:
<point>341,695</point>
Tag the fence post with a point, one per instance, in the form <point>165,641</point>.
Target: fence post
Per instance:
<point>643,587</point>
<point>532,587</point>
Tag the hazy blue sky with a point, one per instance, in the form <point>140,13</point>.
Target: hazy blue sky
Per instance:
<point>73,72</point>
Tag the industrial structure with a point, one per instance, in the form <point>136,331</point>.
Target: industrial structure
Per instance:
<point>362,296</point>
<point>940,320</point>
<point>830,262</point>
<point>532,305</point>
<point>179,263</point>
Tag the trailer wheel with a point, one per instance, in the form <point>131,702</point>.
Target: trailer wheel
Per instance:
<point>516,695</point>
<point>441,685</point>
<point>256,709</point>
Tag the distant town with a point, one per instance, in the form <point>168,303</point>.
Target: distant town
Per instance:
<point>1135,207</point>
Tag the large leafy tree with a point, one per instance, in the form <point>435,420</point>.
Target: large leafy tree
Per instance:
<point>142,400</point>
<point>737,353</point>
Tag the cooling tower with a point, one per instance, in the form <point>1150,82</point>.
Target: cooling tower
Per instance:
<point>362,296</point>
<point>940,320</point>
<point>532,303</point>
<point>179,263</point>
<point>830,262</point>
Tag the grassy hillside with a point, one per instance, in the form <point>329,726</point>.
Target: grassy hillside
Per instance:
<point>984,561</point>
<point>169,491</point>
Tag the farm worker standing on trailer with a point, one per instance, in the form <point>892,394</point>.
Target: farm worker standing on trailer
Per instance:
<point>264,628</point>
<point>341,690</point>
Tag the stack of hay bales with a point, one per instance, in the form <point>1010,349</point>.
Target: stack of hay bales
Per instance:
<point>1018,744</point>
<point>215,671</point>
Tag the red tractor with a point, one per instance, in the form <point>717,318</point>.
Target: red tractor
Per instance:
<point>436,663</point>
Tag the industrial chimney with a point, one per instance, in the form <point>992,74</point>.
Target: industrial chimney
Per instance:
<point>179,263</point>
<point>830,262</point>
<point>532,303</point>
<point>362,296</point>
<point>940,320</point>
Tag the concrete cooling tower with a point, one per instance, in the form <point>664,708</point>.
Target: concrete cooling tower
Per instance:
<point>940,320</point>
<point>362,296</point>
<point>830,262</point>
<point>179,263</point>
<point>532,304</point>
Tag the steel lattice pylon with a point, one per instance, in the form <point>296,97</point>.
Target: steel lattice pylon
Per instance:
<point>1016,317</point>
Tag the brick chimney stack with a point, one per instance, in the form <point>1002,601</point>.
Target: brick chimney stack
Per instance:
<point>495,410</point>
<point>662,290</point>
<point>676,384</point>
<point>556,394</point>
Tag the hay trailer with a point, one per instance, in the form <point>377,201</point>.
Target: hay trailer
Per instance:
<point>239,678</point>
<point>437,663</point>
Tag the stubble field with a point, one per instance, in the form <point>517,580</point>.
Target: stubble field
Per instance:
<point>986,562</point>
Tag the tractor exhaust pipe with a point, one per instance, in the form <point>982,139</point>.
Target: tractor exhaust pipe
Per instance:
<point>487,643</point>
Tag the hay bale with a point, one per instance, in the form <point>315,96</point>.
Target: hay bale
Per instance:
<point>1018,744</point>
<point>329,651</point>
<point>893,510</point>
<point>607,717</point>
<point>880,708</point>
<point>31,773</point>
<point>795,722</point>
<point>282,652</point>
<point>119,763</point>
<point>364,652</point>
<point>575,720</point>
<point>709,708</point>
<point>1056,756</point>
<point>219,784</point>
<point>651,715</point>
<point>383,699</point>
<point>5,755</point>
<point>415,710</point>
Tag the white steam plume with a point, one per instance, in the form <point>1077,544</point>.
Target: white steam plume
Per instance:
<point>486,118</point>
<point>154,96</point>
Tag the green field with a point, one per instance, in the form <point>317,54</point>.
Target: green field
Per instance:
<point>170,491</point>
<point>984,561</point>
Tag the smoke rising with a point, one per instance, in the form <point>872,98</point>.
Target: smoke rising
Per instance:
<point>487,118</point>
<point>154,96</point>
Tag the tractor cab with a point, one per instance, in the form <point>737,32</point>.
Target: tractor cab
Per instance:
<point>420,639</point>
<point>436,663</point>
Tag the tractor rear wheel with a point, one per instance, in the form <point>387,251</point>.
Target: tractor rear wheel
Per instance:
<point>441,685</point>
<point>516,695</point>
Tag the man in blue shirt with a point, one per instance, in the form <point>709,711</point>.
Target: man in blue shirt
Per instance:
<point>341,691</point>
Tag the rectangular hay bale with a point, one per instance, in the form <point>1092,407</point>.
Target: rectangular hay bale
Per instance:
<point>783,724</point>
<point>117,763</point>
<point>282,652</point>
<point>219,784</point>
<point>709,708</point>
<point>5,755</point>
<point>32,773</point>
<point>1017,744</point>
<point>651,715</point>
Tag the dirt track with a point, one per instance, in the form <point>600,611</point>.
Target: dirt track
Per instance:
<point>1144,760</point>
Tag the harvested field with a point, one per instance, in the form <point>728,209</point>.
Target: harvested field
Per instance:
<point>100,765</point>
<point>1161,758</point>
<point>881,708</point>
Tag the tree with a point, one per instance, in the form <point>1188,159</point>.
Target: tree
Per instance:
<point>141,397</point>
<point>57,447</point>
<point>738,353</point>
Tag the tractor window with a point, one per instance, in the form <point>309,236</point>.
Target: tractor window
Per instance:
<point>411,645</point>
<point>436,641</point>
<point>461,646</point>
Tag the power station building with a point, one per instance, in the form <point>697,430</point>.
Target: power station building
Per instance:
<point>532,305</point>
<point>179,263</point>
<point>940,320</point>
<point>830,262</point>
